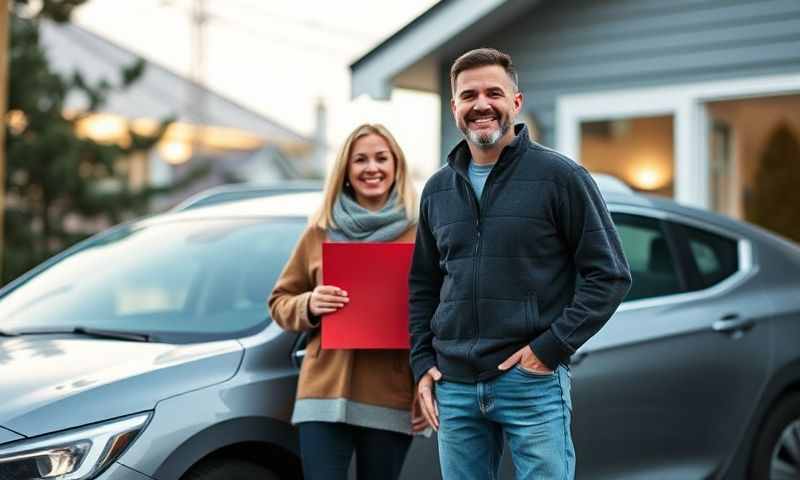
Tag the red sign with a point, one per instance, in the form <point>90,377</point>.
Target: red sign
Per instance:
<point>375,277</point>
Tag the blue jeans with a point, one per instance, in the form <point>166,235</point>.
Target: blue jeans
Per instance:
<point>533,411</point>
<point>326,449</point>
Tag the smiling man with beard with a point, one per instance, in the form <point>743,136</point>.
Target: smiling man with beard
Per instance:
<point>496,308</point>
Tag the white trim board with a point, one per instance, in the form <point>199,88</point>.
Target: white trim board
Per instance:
<point>686,102</point>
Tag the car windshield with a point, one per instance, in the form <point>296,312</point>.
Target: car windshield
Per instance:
<point>202,277</point>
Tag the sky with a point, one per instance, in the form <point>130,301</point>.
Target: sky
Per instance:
<point>280,57</point>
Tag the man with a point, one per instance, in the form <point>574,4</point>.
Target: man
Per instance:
<point>516,265</point>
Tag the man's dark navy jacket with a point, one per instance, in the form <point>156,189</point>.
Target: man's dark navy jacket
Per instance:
<point>489,277</point>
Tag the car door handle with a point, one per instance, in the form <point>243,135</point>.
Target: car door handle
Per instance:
<point>732,323</point>
<point>297,357</point>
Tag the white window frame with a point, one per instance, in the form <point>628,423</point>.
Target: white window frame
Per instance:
<point>686,103</point>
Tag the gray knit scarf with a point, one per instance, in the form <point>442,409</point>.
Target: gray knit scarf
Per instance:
<point>356,223</point>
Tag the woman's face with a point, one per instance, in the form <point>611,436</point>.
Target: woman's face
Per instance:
<point>371,171</point>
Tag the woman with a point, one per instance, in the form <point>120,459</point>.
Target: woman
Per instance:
<point>351,400</point>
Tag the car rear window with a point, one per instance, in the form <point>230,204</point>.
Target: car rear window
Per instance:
<point>715,256</point>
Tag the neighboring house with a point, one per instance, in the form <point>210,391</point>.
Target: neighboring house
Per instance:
<point>236,143</point>
<point>680,98</point>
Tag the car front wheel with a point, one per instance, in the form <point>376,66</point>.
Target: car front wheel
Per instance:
<point>229,469</point>
<point>777,450</point>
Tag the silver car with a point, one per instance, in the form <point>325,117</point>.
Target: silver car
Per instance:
<point>146,352</point>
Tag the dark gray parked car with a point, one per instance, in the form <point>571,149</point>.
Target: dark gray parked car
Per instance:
<point>146,352</point>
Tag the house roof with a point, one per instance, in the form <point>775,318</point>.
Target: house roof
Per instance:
<point>411,57</point>
<point>158,94</point>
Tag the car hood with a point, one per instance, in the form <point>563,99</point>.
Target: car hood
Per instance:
<point>56,382</point>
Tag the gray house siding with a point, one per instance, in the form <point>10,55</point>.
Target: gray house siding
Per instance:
<point>580,46</point>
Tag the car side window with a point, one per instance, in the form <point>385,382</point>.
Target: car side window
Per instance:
<point>649,256</point>
<point>716,256</point>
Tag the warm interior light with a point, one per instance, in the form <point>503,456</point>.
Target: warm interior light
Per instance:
<point>211,137</point>
<point>648,177</point>
<point>104,128</point>
<point>111,128</point>
<point>175,152</point>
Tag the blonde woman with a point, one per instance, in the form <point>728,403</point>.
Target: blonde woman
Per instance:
<point>351,400</point>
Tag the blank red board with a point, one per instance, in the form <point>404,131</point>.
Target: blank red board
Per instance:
<point>375,276</point>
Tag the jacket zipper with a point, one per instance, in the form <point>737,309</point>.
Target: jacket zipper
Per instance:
<point>477,210</point>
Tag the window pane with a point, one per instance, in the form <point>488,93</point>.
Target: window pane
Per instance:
<point>755,161</point>
<point>638,151</point>
<point>716,257</point>
<point>652,264</point>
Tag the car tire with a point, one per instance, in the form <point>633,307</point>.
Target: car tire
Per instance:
<point>229,469</point>
<point>770,447</point>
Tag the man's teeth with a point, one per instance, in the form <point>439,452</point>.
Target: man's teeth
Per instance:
<point>483,120</point>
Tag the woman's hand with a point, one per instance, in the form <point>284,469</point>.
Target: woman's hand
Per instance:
<point>326,299</point>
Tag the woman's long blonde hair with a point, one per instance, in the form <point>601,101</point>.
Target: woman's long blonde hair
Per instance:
<point>406,194</point>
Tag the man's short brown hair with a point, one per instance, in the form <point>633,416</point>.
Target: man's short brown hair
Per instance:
<point>483,57</point>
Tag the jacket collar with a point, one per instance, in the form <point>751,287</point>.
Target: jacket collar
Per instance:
<point>459,157</point>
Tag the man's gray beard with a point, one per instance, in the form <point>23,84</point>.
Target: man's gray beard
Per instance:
<point>486,141</point>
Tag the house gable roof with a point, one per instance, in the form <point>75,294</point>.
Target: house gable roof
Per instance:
<point>410,58</point>
<point>158,94</point>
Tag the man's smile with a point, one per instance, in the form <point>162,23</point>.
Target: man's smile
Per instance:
<point>480,121</point>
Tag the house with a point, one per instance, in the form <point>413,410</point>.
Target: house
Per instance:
<point>233,141</point>
<point>687,99</point>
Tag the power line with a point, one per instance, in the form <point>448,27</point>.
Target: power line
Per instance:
<point>265,33</point>
<point>277,38</point>
<point>310,24</point>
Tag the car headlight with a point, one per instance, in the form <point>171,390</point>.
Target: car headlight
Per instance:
<point>71,455</point>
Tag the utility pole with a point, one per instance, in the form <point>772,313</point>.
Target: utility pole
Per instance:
<point>199,20</point>
<point>198,98</point>
<point>193,112</point>
<point>195,105</point>
<point>3,107</point>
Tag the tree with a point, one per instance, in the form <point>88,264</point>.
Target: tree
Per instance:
<point>774,199</point>
<point>61,187</point>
